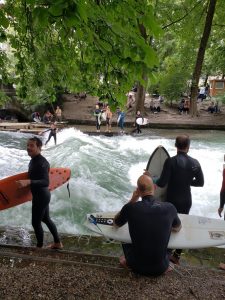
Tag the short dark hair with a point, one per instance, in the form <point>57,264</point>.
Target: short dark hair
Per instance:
<point>37,141</point>
<point>182,142</point>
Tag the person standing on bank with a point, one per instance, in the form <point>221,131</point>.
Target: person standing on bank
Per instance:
<point>97,114</point>
<point>58,114</point>
<point>39,181</point>
<point>138,116</point>
<point>150,223</point>
<point>180,172</point>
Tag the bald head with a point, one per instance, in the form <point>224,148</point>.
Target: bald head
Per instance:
<point>145,185</point>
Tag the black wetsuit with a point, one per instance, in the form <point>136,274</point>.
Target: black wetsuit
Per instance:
<point>52,133</point>
<point>138,127</point>
<point>150,223</point>
<point>38,173</point>
<point>181,172</point>
<point>222,192</point>
<point>97,114</point>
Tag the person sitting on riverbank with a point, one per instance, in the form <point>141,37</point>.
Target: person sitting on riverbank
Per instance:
<point>150,224</point>
<point>151,106</point>
<point>211,108</point>
<point>130,101</point>
<point>157,105</point>
<point>47,118</point>
<point>36,117</point>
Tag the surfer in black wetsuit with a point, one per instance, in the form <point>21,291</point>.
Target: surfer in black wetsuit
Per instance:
<point>138,127</point>
<point>39,182</point>
<point>179,173</point>
<point>52,132</point>
<point>150,223</point>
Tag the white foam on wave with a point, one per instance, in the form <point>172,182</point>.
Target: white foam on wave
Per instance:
<point>12,161</point>
<point>104,173</point>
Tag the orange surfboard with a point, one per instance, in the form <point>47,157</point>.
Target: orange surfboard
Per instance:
<point>11,195</point>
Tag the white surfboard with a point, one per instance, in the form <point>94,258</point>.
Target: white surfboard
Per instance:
<point>196,232</point>
<point>103,116</point>
<point>142,121</point>
<point>155,166</point>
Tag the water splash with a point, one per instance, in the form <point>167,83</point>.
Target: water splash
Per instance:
<point>105,171</point>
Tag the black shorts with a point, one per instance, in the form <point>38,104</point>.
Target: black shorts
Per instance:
<point>143,269</point>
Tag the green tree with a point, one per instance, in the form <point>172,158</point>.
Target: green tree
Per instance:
<point>184,23</point>
<point>200,55</point>
<point>80,45</point>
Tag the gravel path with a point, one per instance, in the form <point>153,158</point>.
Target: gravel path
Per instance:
<point>30,274</point>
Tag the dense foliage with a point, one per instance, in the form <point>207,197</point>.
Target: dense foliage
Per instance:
<point>104,47</point>
<point>76,45</point>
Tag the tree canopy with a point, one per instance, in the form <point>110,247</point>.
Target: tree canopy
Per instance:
<point>78,45</point>
<point>104,47</point>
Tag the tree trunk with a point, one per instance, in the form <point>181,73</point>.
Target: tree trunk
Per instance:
<point>200,56</point>
<point>140,98</point>
<point>206,79</point>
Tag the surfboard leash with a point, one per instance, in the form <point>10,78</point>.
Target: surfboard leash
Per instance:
<point>68,188</point>
<point>178,272</point>
<point>173,268</point>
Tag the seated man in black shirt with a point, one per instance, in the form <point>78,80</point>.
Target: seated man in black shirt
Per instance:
<point>150,223</point>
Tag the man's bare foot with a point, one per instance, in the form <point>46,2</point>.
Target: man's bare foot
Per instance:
<point>169,269</point>
<point>222,266</point>
<point>58,246</point>
<point>123,262</point>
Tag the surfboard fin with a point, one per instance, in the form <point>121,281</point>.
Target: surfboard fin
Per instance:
<point>68,188</point>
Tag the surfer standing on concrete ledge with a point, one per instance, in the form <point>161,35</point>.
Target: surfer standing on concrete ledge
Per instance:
<point>180,172</point>
<point>39,182</point>
<point>150,224</point>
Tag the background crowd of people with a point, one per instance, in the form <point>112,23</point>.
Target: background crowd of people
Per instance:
<point>48,117</point>
<point>104,114</point>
